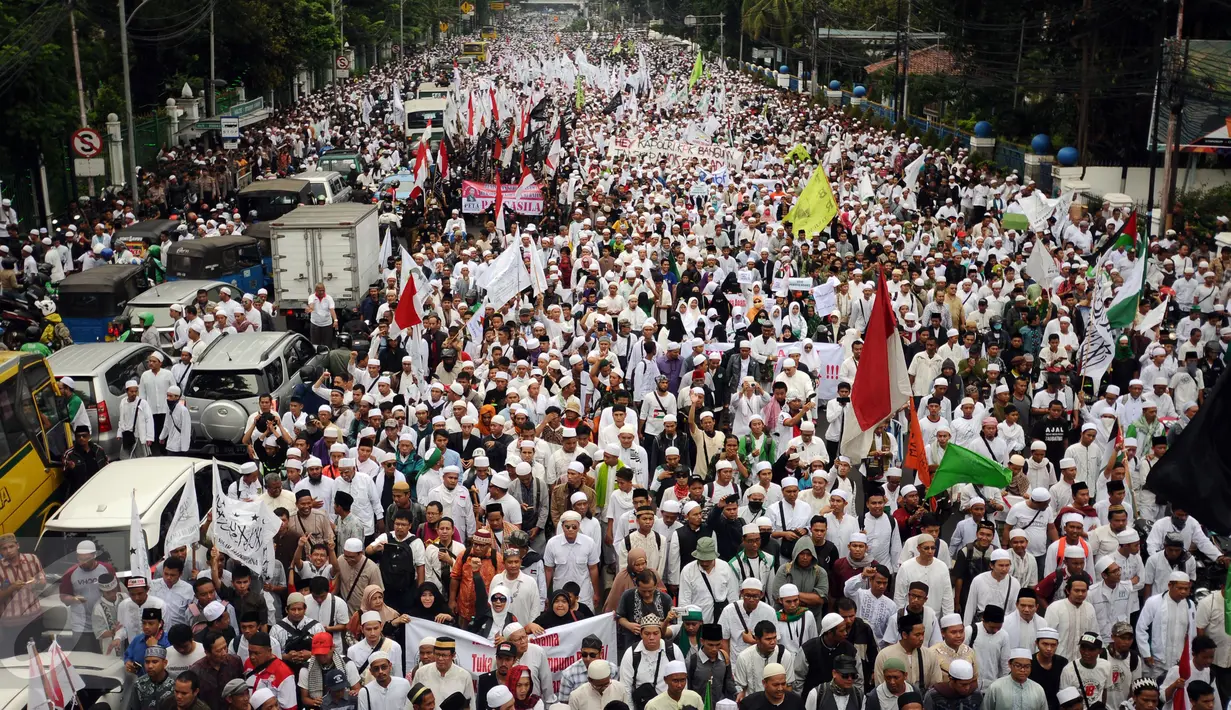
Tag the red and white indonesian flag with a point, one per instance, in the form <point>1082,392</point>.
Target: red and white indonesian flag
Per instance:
<point>881,385</point>
<point>553,153</point>
<point>409,311</point>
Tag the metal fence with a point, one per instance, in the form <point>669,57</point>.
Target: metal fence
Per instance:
<point>1011,156</point>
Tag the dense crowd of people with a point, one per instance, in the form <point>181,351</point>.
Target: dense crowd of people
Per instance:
<point>651,430</point>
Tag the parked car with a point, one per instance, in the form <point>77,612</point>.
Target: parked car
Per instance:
<point>99,371</point>
<point>104,676</point>
<point>159,299</point>
<point>328,187</point>
<point>228,378</point>
<point>101,510</point>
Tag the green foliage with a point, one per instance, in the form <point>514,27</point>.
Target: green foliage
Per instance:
<point>1199,208</point>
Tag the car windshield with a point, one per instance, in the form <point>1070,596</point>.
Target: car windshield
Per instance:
<point>57,550</point>
<point>161,313</point>
<point>223,385</point>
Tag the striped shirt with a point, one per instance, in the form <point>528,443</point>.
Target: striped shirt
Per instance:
<point>24,602</point>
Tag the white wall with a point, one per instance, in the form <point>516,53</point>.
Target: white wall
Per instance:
<point>1103,180</point>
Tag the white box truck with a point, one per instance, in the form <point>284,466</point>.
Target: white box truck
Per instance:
<point>337,245</point>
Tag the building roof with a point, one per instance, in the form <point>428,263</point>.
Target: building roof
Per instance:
<point>929,60</point>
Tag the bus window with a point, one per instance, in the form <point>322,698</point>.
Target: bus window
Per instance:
<point>54,415</point>
<point>16,410</point>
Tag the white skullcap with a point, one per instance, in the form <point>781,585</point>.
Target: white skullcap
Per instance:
<point>1068,463</point>
<point>570,516</point>
<point>260,696</point>
<point>1072,518</point>
<point>751,583</point>
<point>1103,563</point>
<point>689,506</point>
<point>1040,495</point>
<point>771,670</point>
<point>788,590</point>
<point>1178,575</point>
<point>830,622</point>
<point>596,671</point>
<point>1047,633</point>
<point>908,489</point>
<point>950,620</point>
<point>858,537</point>
<point>578,497</point>
<point>1127,537</point>
<point>1067,695</point>
<point>1038,446</point>
<point>1074,552</point>
<point>1020,654</point>
<point>500,694</point>
<point>1001,554</point>
<point>961,670</point>
<point>789,482</point>
<point>353,544</point>
<point>674,668</point>
<point>374,616</point>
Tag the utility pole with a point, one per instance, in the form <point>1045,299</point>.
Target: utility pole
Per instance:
<point>401,28</point>
<point>1173,116</point>
<point>211,91</point>
<point>333,61</point>
<point>1017,76</point>
<point>906,67</point>
<point>722,37</point>
<point>72,23</point>
<point>1083,104</point>
<point>128,104</point>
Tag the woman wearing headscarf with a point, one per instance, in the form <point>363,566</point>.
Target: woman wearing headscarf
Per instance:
<point>395,622</point>
<point>520,682</point>
<point>497,615</point>
<point>794,326</point>
<point>486,412</point>
<point>558,611</point>
<point>431,605</point>
<point>626,579</point>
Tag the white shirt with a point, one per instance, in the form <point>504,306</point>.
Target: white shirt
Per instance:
<point>693,588</point>
<point>320,308</point>
<point>571,561</point>
<point>374,697</point>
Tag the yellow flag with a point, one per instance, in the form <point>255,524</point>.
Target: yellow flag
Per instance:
<point>816,205</point>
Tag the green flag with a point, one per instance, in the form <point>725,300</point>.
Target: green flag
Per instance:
<point>1123,309</point>
<point>1226,603</point>
<point>965,466</point>
<point>698,67</point>
<point>581,94</point>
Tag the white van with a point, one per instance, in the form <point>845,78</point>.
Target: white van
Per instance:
<point>327,186</point>
<point>101,510</point>
<point>419,112</point>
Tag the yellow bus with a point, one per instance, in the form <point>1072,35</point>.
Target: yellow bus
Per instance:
<point>477,50</point>
<point>34,434</point>
<point>488,32</point>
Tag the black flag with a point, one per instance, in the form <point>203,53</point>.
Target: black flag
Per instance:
<point>1195,473</point>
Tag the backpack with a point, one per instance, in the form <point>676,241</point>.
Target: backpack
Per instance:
<point>644,693</point>
<point>296,639</point>
<point>397,561</point>
<point>863,518</point>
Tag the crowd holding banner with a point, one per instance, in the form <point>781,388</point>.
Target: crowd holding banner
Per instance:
<point>726,398</point>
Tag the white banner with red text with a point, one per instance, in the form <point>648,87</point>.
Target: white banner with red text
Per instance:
<point>479,196</point>
<point>478,655</point>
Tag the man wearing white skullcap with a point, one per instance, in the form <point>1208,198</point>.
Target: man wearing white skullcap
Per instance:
<point>136,423</point>
<point>740,618</point>
<point>1015,691</point>
<point>387,690</point>
<point>929,570</point>
<point>1167,620</point>
<point>995,586</point>
<point>1073,615</point>
<point>1111,596</point>
<point>1087,454</point>
<point>677,695</point>
<point>1072,531</point>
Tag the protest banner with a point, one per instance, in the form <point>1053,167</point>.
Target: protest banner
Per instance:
<point>478,655</point>
<point>479,196</point>
<point>825,297</point>
<point>675,152</point>
<point>737,300</point>
<point>831,355</point>
<point>744,276</point>
<point>799,283</point>
<point>243,530</point>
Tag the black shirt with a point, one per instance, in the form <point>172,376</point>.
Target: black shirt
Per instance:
<point>1049,679</point>
<point>758,701</point>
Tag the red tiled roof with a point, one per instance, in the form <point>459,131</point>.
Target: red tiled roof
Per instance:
<point>929,60</point>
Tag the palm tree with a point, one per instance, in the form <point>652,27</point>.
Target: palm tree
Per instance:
<point>765,17</point>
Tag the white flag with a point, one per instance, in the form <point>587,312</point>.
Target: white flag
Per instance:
<point>1154,317</point>
<point>36,694</point>
<point>1042,266</point>
<point>185,528</point>
<point>243,530</point>
<point>138,553</point>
